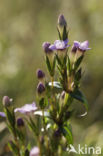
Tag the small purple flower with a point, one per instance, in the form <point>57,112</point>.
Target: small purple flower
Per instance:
<point>27,108</point>
<point>40,74</point>
<point>20,122</point>
<point>40,88</point>
<point>59,45</point>
<point>46,47</point>
<point>62,21</point>
<point>82,46</point>
<point>35,151</point>
<point>2,114</point>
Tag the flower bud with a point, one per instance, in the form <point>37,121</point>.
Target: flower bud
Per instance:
<point>20,122</point>
<point>40,88</point>
<point>62,28</point>
<point>49,52</point>
<point>40,74</point>
<point>6,101</point>
<point>61,21</point>
<point>46,48</point>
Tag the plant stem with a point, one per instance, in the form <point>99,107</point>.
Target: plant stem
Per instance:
<point>52,79</point>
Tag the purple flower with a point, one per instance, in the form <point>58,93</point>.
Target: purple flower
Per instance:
<point>40,88</point>
<point>82,46</point>
<point>2,114</point>
<point>46,47</point>
<point>20,122</point>
<point>59,45</point>
<point>40,74</point>
<point>35,151</point>
<point>62,21</point>
<point>27,108</point>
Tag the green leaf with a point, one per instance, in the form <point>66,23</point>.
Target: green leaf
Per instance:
<point>10,116</point>
<point>14,148</point>
<point>67,132</point>
<point>58,60</point>
<point>59,34</point>
<point>69,66</point>
<point>65,60</point>
<point>32,126</point>
<point>20,135</point>
<point>78,75</point>
<point>54,63</point>
<point>65,33</point>
<point>48,64</point>
<point>78,62</point>
<point>78,95</point>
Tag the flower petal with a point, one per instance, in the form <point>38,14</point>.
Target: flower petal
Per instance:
<point>2,114</point>
<point>84,45</point>
<point>76,44</point>
<point>27,108</point>
<point>52,47</point>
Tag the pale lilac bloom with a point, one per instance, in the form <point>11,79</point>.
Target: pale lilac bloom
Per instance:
<point>83,46</point>
<point>27,108</point>
<point>59,45</point>
<point>2,114</point>
<point>35,151</point>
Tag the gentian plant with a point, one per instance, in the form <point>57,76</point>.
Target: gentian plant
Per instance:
<point>49,118</point>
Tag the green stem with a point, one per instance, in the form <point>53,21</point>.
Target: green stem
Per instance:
<point>52,79</point>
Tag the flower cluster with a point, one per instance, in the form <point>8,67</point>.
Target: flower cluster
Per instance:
<point>49,118</point>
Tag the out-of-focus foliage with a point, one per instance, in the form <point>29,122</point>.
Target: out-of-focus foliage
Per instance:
<point>24,26</point>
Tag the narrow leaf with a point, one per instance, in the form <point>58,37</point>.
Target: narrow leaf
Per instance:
<point>67,132</point>
<point>78,62</point>
<point>78,95</point>
<point>48,64</point>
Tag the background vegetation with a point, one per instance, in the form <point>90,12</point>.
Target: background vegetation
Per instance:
<point>24,26</point>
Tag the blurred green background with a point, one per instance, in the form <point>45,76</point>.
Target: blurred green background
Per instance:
<point>24,26</point>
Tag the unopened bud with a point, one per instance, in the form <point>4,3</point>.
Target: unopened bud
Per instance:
<point>20,122</point>
<point>40,74</point>
<point>40,88</point>
<point>61,21</point>
<point>6,101</point>
<point>46,48</point>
